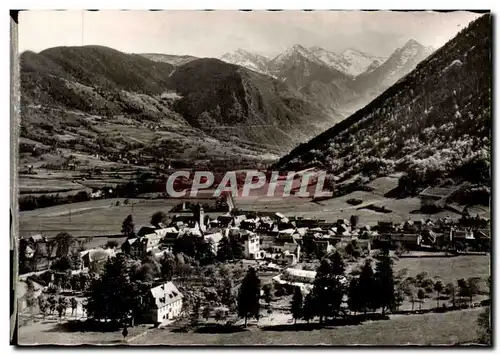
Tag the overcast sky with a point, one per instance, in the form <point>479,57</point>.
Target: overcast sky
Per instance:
<point>212,33</point>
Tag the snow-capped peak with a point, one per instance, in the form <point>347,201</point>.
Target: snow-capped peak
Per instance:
<point>294,52</point>
<point>351,61</point>
<point>246,59</point>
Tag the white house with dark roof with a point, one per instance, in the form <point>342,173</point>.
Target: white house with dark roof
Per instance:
<point>165,303</point>
<point>215,238</point>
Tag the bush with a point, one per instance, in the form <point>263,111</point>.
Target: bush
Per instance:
<point>354,201</point>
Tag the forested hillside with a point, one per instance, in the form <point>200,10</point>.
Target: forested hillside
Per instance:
<point>433,124</point>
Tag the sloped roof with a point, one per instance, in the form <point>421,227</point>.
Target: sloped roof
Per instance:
<point>288,231</point>
<point>37,238</point>
<point>146,230</point>
<point>152,236</point>
<point>98,254</point>
<point>483,233</point>
<point>165,294</point>
<point>310,274</point>
<point>215,237</point>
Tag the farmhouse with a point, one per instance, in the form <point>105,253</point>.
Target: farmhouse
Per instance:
<point>91,258</point>
<point>164,302</point>
<point>139,247</point>
<point>252,246</point>
<point>287,244</point>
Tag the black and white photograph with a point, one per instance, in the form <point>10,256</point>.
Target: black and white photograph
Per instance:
<point>251,177</point>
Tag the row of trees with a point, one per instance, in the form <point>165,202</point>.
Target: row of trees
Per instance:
<point>373,288</point>
<point>48,305</point>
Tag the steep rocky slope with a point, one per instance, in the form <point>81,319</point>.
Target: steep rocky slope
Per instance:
<point>435,123</point>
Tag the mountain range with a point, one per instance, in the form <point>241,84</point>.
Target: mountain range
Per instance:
<point>97,98</point>
<point>433,125</point>
<point>338,83</point>
<point>351,61</point>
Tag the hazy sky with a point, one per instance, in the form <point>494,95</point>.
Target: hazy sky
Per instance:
<point>212,33</point>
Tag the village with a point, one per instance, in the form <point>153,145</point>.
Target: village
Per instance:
<point>190,266</point>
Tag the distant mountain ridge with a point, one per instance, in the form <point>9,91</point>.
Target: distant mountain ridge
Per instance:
<point>100,87</point>
<point>175,60</point>
<point>258,103</point>
<point>253,61</point>
<point>350,61</point>
<point>400,63</point>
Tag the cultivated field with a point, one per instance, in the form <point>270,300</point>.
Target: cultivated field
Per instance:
<point>98,217</point>
<point>104,217</point>
<point>44,332</point>
<point>448,269</point>
<point>436,329</point>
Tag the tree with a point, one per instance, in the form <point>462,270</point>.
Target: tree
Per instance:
<point>43,305</point>
<point>354,220</point>
<point>224,250</point>
<point>238,273</point>
<point>157,218</point>
<point>400,249</point>
<point>207,311</point>
<point>63,301</point>
<point>353,249</point>
<point>438,287</point>
<point>75,282</point>
<point>400,287</point>
<point>61,309</point>
<point>30,296</point>
<point>62,264</point>
<point>145,272</point>
<point>411,293</point>
<point>226,293</point>
<point>63,241</point>
<point>74,305</point>
<point>237,251</point>
<point>328,286</point>
<point>309,310</point>
<point>128,227</point>
<point>167,266</point>
<point>473,287</point>
<point>354,296</point>
<point>366,284</point>
<point>268,292</point>
<point>248,296</point>
<point>297,304</point>
<point>421,276</point>
<point>52,303</point>
<point>209,271</point>
<point>450,290</point>
<point>384,281</point>
<point>224,272</point>
<point>219,315</point>
<point>76,260</point>
<point>484,325</point>
<point>84,281</point>
<point>110,296</point>
<point>195,313</point>
<point>421,297</point>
